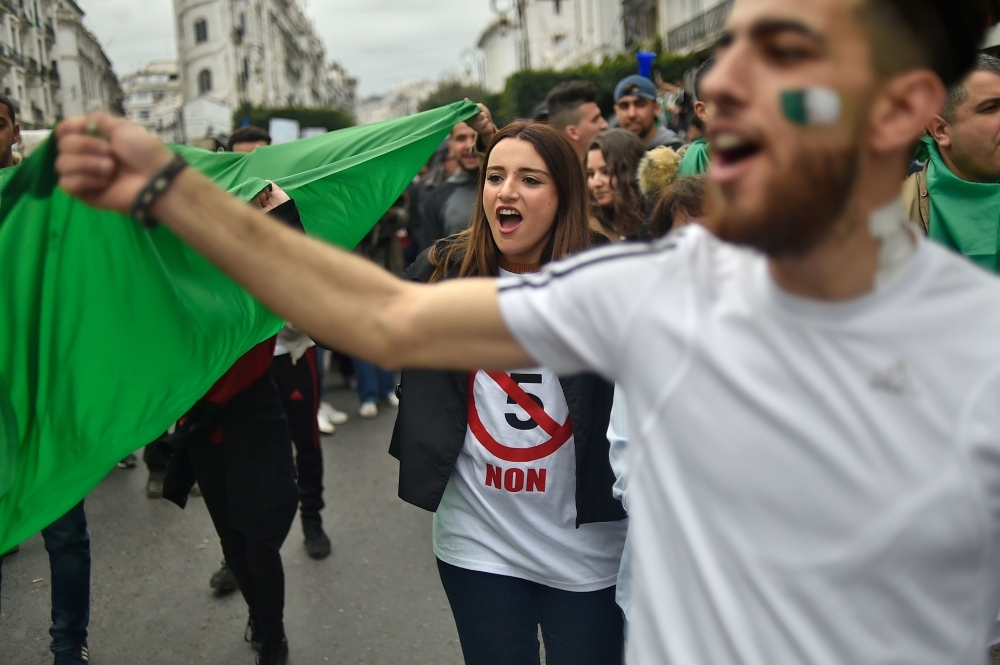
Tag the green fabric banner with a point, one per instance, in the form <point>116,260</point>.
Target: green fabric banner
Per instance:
<point>110,332</point>
<point>965,216</point>
<point>696,160</point>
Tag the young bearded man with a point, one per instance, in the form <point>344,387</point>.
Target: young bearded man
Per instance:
<point>816,470</point>
<point>637,110</point>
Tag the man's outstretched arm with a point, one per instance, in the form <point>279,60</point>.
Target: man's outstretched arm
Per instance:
<point>337,298</point>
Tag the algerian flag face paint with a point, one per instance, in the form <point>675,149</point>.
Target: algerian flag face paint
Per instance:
<point>811,107</point>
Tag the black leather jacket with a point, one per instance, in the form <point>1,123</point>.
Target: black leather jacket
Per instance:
<point>433,419</point>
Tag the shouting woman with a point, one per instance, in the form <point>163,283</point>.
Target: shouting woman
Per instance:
<point>515,464</point>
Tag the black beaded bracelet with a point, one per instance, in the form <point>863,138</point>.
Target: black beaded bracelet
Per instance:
<point>153,189</point>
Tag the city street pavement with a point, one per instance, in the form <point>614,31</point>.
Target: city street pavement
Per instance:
<point>377,599</point>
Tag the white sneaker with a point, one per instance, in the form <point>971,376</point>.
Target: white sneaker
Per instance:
<point>325,426</point>
<point>333,415</point>
<point>368,410</point>
<point>392,400</point>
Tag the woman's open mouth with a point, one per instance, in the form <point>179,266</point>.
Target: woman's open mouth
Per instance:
<point>508,219</point>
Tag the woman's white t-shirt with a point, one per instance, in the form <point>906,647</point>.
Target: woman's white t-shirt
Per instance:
<point>510,506</point>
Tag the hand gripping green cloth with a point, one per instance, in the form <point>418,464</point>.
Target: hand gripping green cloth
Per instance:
<point>110,332</point>
<point>965,216</point>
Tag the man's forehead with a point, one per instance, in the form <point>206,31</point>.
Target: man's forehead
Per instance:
<point>822,17</point>
<point>461,129</point>
<point>982,85</point>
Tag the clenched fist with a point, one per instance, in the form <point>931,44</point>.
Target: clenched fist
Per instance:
<point>108,166</point>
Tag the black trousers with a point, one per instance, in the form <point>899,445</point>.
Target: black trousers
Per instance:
<point>498,618</point>
<point>298,385</point>
<point>247,479</point>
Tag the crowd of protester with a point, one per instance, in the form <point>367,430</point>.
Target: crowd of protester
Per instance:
<point>524,542</point>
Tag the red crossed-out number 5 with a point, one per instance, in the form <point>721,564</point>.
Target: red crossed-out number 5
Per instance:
<point>559,434</point>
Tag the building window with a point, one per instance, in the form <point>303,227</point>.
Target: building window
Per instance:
<point>200,31</point>
<point>204,81</point>
<point>144,115</point>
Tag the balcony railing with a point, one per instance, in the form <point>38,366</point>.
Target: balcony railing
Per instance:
<point>701,29</point>
<point>640,20</point>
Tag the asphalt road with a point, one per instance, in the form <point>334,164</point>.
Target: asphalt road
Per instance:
<point>377,599</point>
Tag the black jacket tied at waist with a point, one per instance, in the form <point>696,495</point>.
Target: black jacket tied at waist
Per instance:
<point>433,420</point>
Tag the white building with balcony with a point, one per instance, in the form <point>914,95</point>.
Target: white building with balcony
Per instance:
<point>86,78</point>
<point>153,99</point>
<point>28,71</point>
<point>691,26</point>
<point>550,34</point>
<point>258,52</point>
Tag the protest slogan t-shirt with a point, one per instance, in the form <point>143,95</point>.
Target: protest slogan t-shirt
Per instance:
<point>510,507</point>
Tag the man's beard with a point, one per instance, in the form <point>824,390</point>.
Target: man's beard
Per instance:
<point>800,209</point>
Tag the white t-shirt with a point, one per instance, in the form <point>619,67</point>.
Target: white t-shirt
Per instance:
<point>510,506</point>
<point>811,483</point>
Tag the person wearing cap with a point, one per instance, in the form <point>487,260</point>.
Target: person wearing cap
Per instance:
<point>637,111</point>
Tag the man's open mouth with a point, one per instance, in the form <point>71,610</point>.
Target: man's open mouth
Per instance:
<point>731,149</point>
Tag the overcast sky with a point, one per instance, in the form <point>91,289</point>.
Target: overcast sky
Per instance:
<point>380,42</point>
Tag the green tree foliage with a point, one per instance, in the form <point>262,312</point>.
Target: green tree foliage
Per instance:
<point>331,119</point>
<point>524,90</point>
<point>450,91</point>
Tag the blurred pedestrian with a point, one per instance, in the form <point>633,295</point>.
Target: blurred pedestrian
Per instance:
<point>612,162</point>
<point>573,110</point>
<point>694,159</point>
<point>681,203</point>
<point>637,110</point>
<point>449,208</point>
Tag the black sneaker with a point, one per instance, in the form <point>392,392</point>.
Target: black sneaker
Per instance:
<point>223,579</point>
<point>273,653</point>
<point>317,543</point>
<point>76,656</point>
<point>253,636</point>
<point>130,462</point>
<point>154,486</point>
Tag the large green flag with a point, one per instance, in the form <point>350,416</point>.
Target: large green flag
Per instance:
<point>110,332</point>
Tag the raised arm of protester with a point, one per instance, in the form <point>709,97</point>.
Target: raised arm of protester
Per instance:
<point>339,299</point>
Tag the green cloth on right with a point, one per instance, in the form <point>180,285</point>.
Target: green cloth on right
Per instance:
<point>696,159</point>
<point>965,216</point>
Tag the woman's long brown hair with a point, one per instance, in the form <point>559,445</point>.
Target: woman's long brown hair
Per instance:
<point>622,152</point>
<point>475,247</point>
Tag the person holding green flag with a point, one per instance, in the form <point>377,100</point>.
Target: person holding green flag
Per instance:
<point>956,197</point>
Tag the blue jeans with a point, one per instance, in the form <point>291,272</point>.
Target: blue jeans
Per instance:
<point>68,545</point>
<point>498,618</point>
<point>374,383</point>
